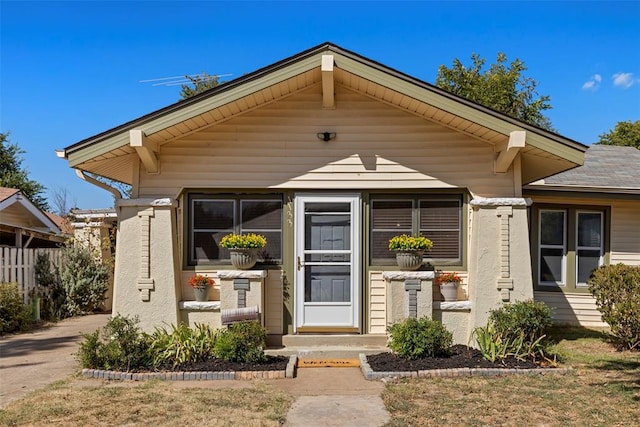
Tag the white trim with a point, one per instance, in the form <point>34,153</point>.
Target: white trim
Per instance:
<point>563,281</point>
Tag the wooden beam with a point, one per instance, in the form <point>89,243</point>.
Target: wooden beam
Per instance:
<point>146,150</point>
<point>505,157</point>
<point>328,95</point>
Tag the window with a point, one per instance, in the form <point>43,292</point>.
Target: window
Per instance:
<point>571,245</point>
<point>211,218</point>
<point>437,217</point>
<point>589,247</point>
<point>553,247</point>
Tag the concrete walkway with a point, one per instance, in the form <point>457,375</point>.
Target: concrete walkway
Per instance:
<point>32,360</point>
<point>334,397</point>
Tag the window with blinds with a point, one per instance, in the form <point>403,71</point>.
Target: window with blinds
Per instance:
<point>212,217</point>
<point>439,218</point>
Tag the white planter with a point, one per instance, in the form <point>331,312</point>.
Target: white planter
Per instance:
<point>449,291</point>
<point>409,260</point>
<point>243,259</point>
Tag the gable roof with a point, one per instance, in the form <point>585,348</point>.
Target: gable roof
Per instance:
<point>109,153</point>
<point>18,211</point>
<point>607,168</point>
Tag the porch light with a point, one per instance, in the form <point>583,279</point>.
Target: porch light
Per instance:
<point>326,136</point>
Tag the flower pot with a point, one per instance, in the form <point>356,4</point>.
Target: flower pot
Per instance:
<point>201,293</point>
<point>449,291</point>
<point>243,259</point>
<point>409,260</point>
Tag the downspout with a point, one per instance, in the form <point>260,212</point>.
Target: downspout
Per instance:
<point>83,176</point>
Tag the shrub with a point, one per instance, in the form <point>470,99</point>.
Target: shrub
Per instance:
<point>241,342</point>
<point>616,289</point>
<point>84,281</point>
<point>15,316</point>
<point>181,345</point>
<point>529,318</point>
<point>120,346</point>
<point>516,330</point>
<point>418,338</point>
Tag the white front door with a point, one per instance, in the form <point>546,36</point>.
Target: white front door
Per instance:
<point>327,255</point>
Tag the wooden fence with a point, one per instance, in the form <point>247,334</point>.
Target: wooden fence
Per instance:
<point>18,266</point>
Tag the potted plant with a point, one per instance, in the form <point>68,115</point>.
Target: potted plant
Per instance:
<point>448,282</point>
<point>409,250</point>
<point>243,248</point>
<point>201,284</point>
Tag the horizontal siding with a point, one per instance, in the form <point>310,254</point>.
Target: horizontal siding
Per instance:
<point>625,233</point>
<point>377,303</point>
<point>574,309</point>
<point>377,147</point>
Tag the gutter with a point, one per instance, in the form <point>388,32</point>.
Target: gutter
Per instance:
<point>83,176</point>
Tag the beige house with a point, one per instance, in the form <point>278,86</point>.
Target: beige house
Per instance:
<point>328,154</point>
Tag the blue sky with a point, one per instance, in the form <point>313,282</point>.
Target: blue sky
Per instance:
<point>70,70</point>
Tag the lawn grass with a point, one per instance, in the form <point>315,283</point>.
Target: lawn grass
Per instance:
<point>107,403</point>
<point>602,390</point>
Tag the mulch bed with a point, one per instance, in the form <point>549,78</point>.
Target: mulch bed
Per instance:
<point>461,357</point>
<point>273,363</point>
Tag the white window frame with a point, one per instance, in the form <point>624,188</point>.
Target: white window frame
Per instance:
<point>563,281</point>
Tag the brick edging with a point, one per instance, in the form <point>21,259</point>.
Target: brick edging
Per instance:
<point>370,374</point>
<point>289,372</point>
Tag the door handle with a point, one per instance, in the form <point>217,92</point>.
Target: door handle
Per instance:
<point>300,264</point>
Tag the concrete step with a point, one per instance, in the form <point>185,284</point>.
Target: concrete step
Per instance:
<point>342,340</point>
<point>329,346</point>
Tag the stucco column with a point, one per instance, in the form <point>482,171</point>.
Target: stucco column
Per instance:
<point>146,282</point>
<point>242,288</point>
<point>500,259</point>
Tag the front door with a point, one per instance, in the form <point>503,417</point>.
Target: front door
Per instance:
<point>327,233</point>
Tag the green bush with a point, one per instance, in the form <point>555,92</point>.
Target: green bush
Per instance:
<point>181,345</point>
<point>241,342</point>
<point>528,318</point>
<point>84,281</point>
<point>418,338</point>
<point>516,330</point>
<point>15,316</point>
<point>616,289</point>
<point>120,346</point>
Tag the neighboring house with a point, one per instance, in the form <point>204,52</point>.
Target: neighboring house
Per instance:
<point>581,219</point>
<point>328,154</point>
<point>24,225</point>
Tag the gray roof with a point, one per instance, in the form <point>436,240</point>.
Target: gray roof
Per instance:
<point>605,167</point>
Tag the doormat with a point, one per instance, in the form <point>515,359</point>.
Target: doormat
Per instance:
<point>328,362</point>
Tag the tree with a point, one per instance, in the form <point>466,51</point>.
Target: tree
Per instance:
<point>200,82</point>
<point>13,175</point>
<point>62,202</point>
<point>501,87</point>
<point>624,133</point>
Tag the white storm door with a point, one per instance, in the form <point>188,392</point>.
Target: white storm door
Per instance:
<point>327,262</point>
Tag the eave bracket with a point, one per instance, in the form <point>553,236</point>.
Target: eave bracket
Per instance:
<point>328,94</point>
<point>145,149</point>
<point>508,154</point>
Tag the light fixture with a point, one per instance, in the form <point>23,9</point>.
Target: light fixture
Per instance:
<point>326,136</point>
